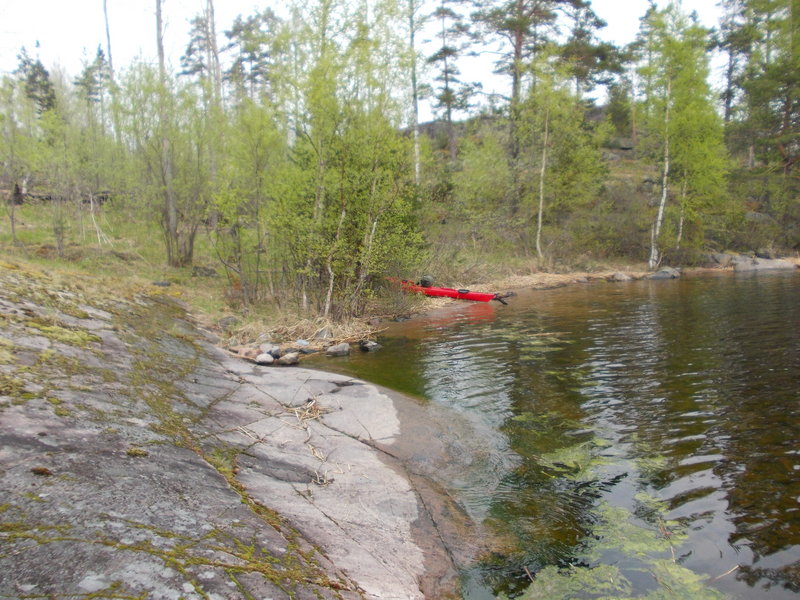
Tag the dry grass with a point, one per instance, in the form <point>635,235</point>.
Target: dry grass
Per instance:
<point>287,327</point>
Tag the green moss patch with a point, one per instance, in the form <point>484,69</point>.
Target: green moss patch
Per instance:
<point>73,337</point>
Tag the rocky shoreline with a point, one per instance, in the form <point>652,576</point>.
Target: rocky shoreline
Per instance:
<point>291,352</point>
<point>140,460</point>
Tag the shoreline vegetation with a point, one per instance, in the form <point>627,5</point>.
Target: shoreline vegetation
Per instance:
<point>285,157</point>
<point>369,327</point>
<point>249,334</point>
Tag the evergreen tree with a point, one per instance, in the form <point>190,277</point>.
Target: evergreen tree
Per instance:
<point>735,39</point>
<point>36,82</point>
<point>524,28</point>
<point>772,80</point>
<point>252,43</point>
<point>451,94</point>
<point>592,62</point>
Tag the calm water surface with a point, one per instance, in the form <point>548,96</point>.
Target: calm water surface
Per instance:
<point>676,404</point>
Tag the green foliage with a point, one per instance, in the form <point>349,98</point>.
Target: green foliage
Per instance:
<point>563,168</point>
<point>771,80</point>
<point>682,131</point>
<point>289,148</point>
<point>604,581</point>
<point>619,107</point>
<point>36,82</point>
<point>481,186</point>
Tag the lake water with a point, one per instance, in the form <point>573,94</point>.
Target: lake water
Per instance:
<point>635,438</point>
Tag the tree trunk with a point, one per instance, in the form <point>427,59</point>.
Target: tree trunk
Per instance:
<point>216,71</point>
<point>414,90</point>
<point>108,41</point>
<point>448,115</point>
<point>329,264</point>
<point>514,110</point>
<point>655,257</point>
<point>542,172</point>
<point>682,216</point>
<point>162,71</point>
<point>367,244</point>
<point>16,198</point>
<point>729,83</point>
<point>170,207</point>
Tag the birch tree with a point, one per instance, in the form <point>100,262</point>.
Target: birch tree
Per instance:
<point>561,148</point>
<point>683,132</point>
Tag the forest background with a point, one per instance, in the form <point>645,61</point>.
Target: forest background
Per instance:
<point>286,151</point>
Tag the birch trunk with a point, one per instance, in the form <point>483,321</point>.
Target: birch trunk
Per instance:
<point>542,172</point>
<point>329,265</point>
<point>655,257</point>
<point>216,71</point>
<point>108,41</point>
<point>414,91</point>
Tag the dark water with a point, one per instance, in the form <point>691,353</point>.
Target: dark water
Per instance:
<point>675,404</point>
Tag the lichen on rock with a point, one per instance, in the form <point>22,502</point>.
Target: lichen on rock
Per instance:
<point>138,460</point>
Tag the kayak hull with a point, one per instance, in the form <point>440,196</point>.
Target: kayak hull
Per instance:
<point>448,292</point>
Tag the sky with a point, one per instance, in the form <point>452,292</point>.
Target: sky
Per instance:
<point>69,31</point>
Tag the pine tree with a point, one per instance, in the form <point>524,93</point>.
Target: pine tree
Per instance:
<point>451,93</point>
<point>523,27</point>
<point>592,62</point>
<point>252,45</point>
<point>36,82</point>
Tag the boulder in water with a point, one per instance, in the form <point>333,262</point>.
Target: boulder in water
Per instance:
<point>666,273</point>
<point>338,350</point>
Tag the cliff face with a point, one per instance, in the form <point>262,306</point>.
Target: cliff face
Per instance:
<point>138,460</point>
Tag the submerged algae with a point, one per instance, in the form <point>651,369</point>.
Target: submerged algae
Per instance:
<point>643,543</point>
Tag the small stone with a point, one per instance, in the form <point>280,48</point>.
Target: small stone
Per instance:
<point>342,349</point>
<point>369,345</point>
<point>265,359</point>
<point>620,276</point>
<point>302,343</point>
<point>291,358</point>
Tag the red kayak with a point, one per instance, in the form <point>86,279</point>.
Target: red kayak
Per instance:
<point>410,286</point>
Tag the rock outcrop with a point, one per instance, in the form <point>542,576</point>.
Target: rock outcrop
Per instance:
<point>747,263</point>
<point>138,460</point>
